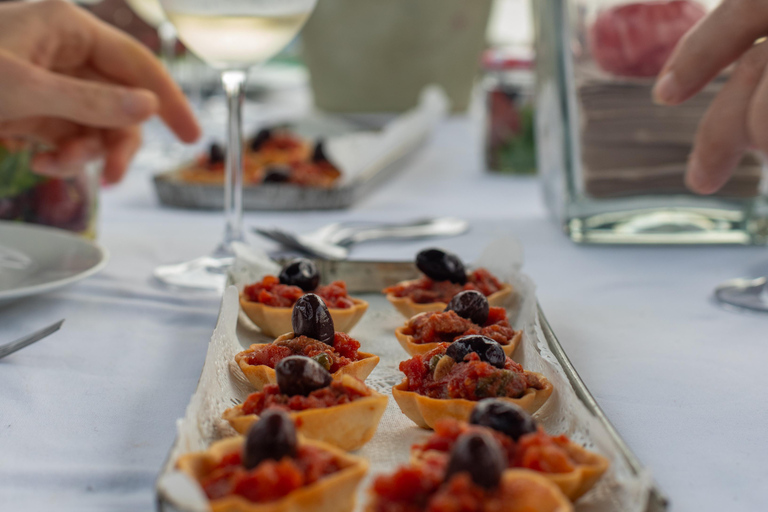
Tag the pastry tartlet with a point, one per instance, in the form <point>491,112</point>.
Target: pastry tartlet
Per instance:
<point>424,331</point>
<point>274,321</point>
<point>344,414</point>
<point>444,277</point>
<point>269,304</point>
<point>571,467</point>
<point>436,386</point>
<point>259,375</point>
<point>317,478</point>
<point>472,478</point>
<point>273,156</point>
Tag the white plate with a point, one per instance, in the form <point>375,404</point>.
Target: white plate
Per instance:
<point>37,259</point>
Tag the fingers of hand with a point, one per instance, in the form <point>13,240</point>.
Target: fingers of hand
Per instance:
<point>123,59</point>
<point>121,146</point>
<point>77,38</point>
<point>713,44</point>
<point>728,128</point>
<point>29,91</point>
<point>69,158</point>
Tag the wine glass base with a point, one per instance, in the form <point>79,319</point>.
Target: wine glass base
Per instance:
<point>744,294</point>
<point>204,273</point>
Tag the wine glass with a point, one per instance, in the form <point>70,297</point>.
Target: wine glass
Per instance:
<point>231,36</point>
<point>152,12</point>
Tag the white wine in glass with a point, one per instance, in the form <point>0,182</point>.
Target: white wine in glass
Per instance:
<point>231,36</point>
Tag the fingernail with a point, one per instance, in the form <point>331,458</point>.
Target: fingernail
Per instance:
<point>667,91</point>
<point>695,177</point>
<point>139,104</point>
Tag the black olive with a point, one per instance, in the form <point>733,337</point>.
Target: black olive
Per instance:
<point>300,375</point>
<point>504,417</point>
<point>277,174</point>
<point>272,437</point>
<point>300,272</point>
<point>260,138</point>
<point>480,455</point>
<point>312,319</point>
<point>470,304</point>
<point>216,154</point>
<point>488,350</point>
<point>318,155</point>
<point>440,265</point>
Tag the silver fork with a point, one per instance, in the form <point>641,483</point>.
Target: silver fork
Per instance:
<point>333,242</point>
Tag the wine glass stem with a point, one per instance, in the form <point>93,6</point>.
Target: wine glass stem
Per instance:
<point>234,86</point>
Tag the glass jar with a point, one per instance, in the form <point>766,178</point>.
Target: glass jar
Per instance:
<point>612,161</point>
<point>69,204</point>
<point>509,112</point>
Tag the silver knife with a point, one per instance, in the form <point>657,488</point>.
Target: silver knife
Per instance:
<point>10,348</point>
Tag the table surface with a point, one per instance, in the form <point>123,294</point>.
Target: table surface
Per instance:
<point>88,415</point>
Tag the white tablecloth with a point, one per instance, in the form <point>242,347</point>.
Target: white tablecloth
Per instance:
<point>88,415</point>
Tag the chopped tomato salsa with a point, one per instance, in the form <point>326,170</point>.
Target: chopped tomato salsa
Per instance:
<point>270,292</point>
<point>338,393</point>
<point>343,352</point>
<point>446,326</point>
<point>425,290</point>
<point>537,451</point>
<point>471,379</point>
<point>421,489</point>
<point>270,480</point>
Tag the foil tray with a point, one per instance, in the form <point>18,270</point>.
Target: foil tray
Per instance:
<point>367,151</point>
<point>173,191</point>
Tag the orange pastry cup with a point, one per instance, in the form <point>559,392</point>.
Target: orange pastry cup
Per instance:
<point>333,493</point>
<point>261,375</point>
<point>408,308</point>
<point>414,349</point>
<point>347,426</point>
<point>426,411</point>
<point>275,321</point>
<point>589,468</point>
<point>526,491</point>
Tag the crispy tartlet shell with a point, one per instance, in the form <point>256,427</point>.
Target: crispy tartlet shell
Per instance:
<point>347,426</point>
<point>333,493</point>
<point>408,308</point>
<point>275,321</point>
<point>590,467</point>
<point>526,491</point>
<point>261,375</point>
<point>426,411</point>
<point>414,349</point>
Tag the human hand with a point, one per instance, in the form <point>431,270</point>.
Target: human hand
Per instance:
<point>737,120</point>
<point>82,87</point>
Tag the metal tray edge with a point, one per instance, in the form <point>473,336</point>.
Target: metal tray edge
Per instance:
<point>657,500</point>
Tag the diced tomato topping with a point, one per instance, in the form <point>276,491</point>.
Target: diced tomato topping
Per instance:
<point>270,480</point>
<point>471,379</point>
<point>425,290</point>
<point>344,351</point>
<point>270,292</point>
<point>336,394</point>
<point>446,326</point>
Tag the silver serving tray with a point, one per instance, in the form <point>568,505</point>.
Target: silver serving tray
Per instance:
<point>172,191</point>
<point>365,277</point>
